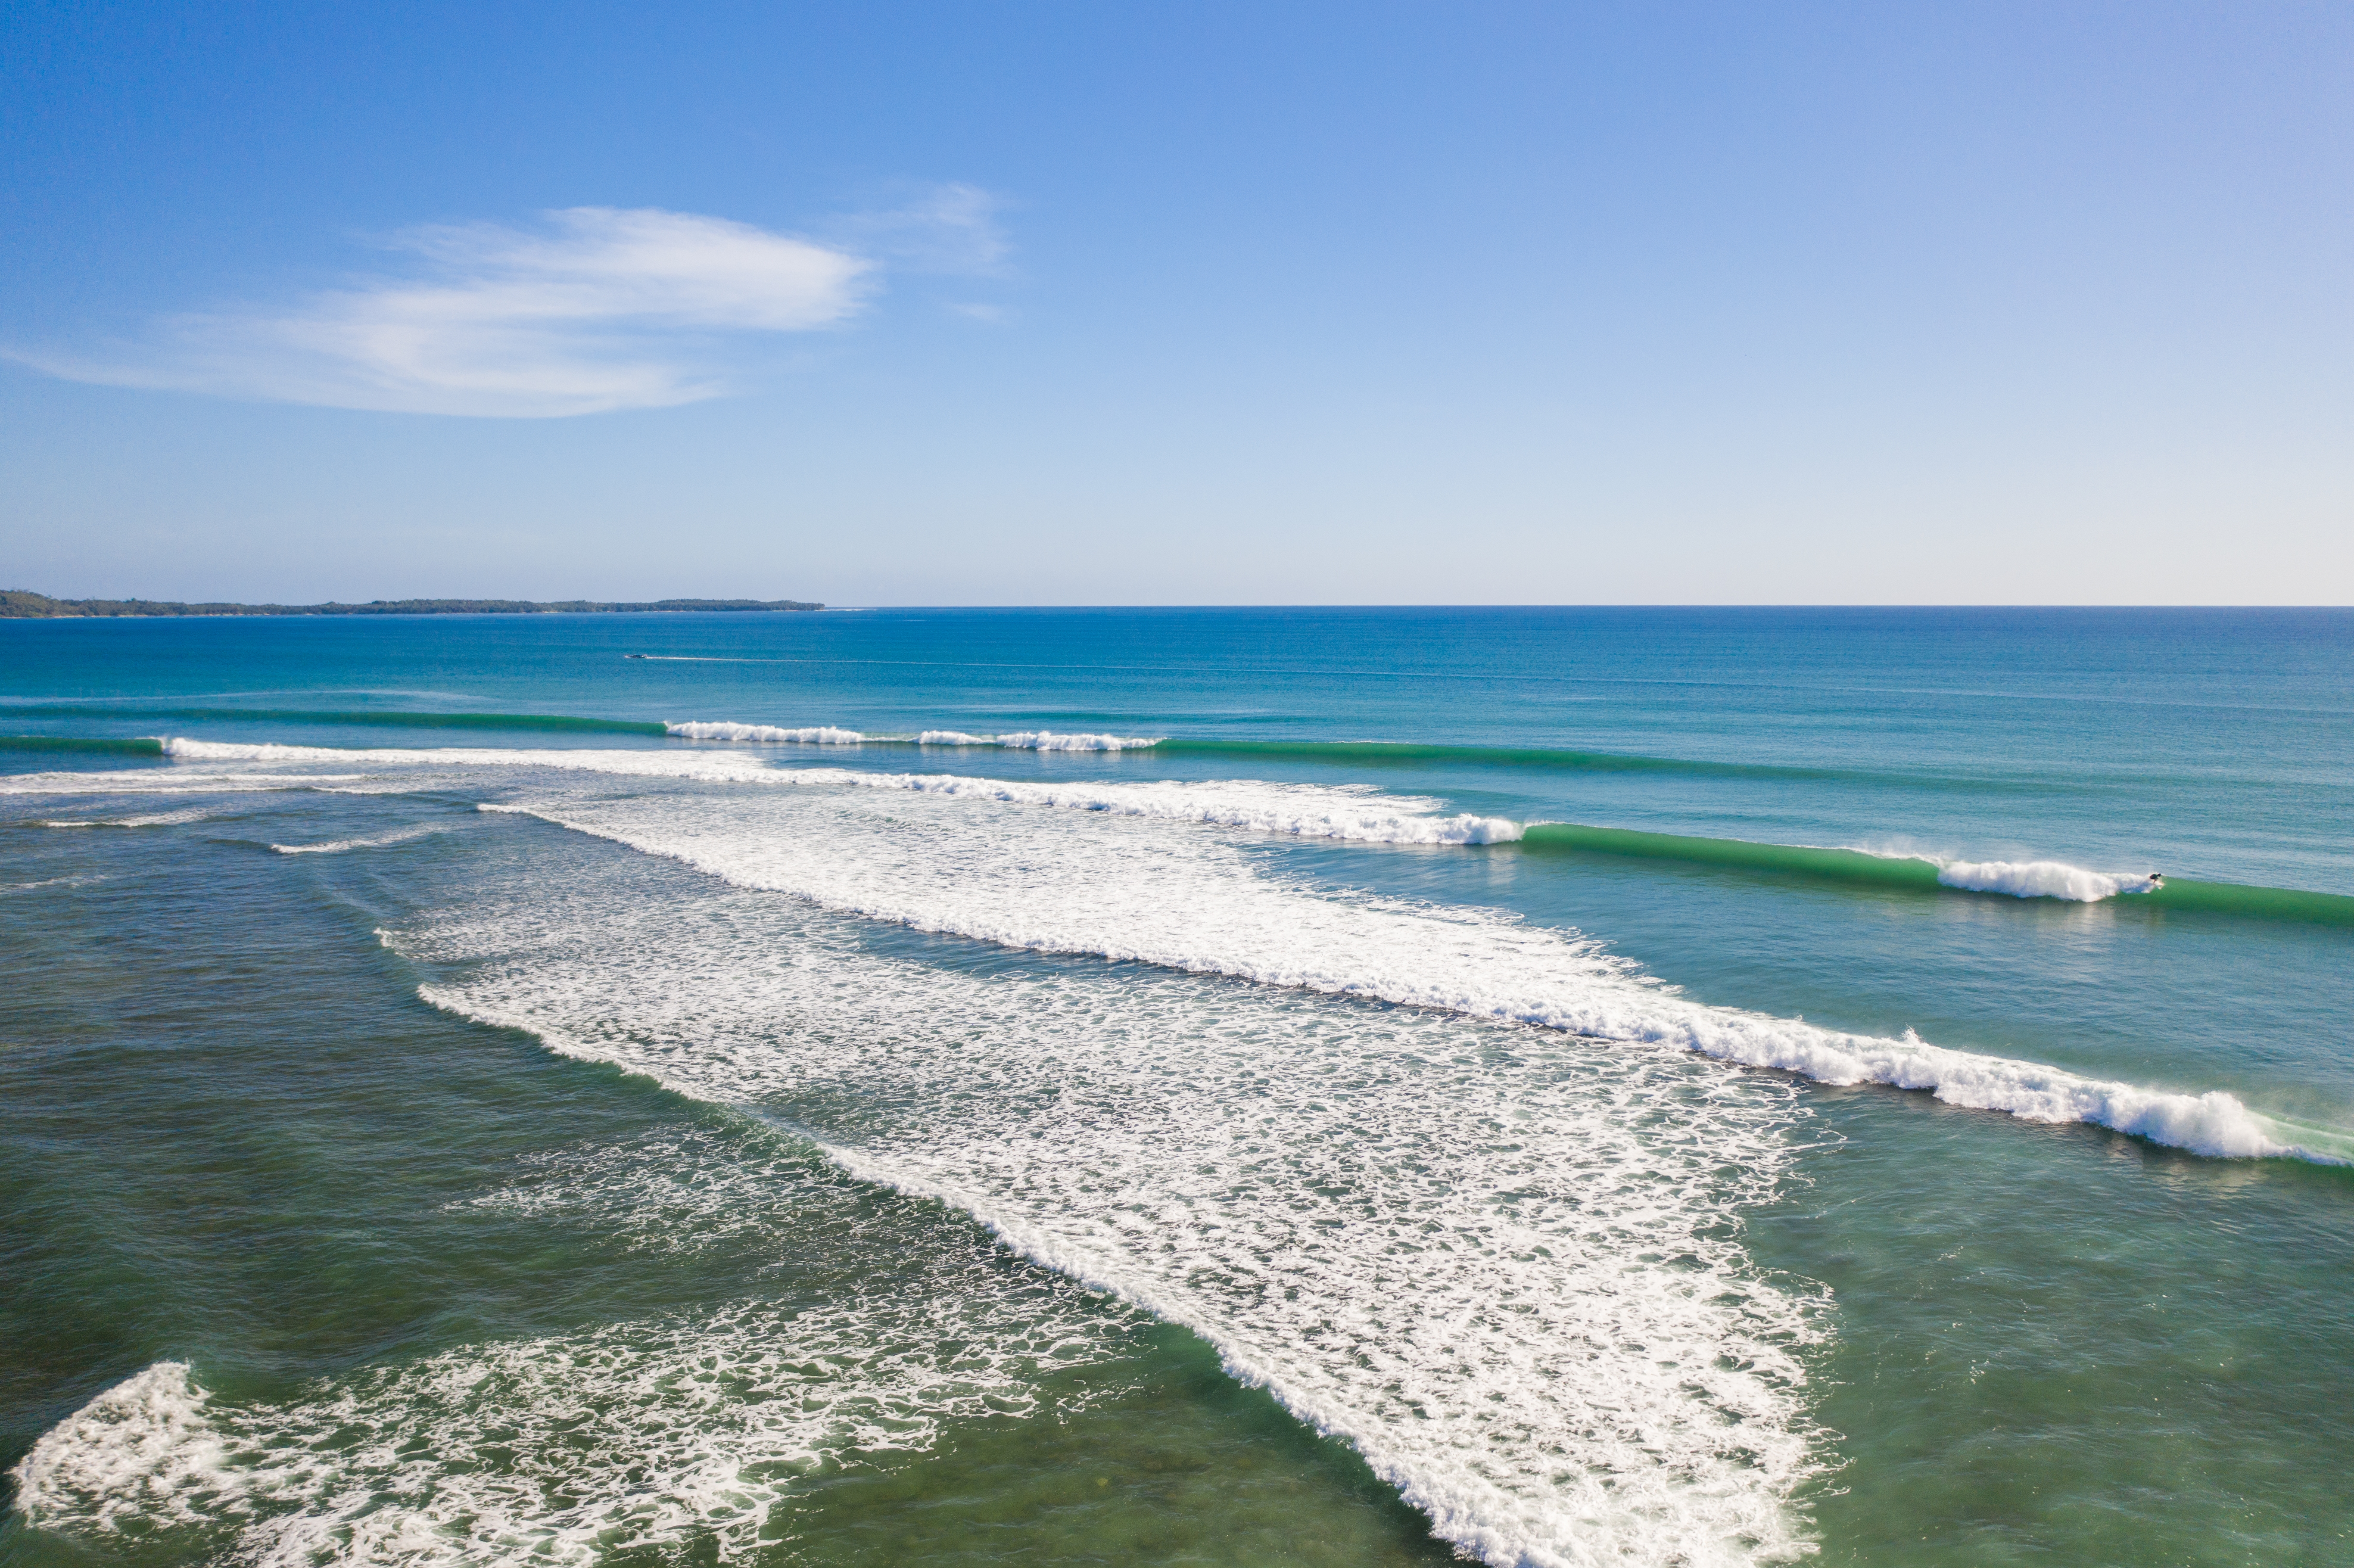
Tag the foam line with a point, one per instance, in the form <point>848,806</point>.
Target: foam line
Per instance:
<point>766,734</point>
<point>391,718</point>
<point>159,820</point>
<point>1302,810</point>
<point>338,846</point>
<point>1048,740</point>
<point>634,1436</point>
<point>2033,879</point>
<point>1485,966</point>
<point>83,881</point>
<point>1270,813</point>
<point>1503,1267</point>
<point>1356,812</point>
<point>824,735</point>
<point>2041,879</point>
<point>682,763</point>
<point>176,781</point>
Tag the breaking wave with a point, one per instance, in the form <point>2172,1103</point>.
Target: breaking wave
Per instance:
<point>1925,873</point>
<point>826,734</point>
<point>1052,900</point>
<point>633,1436</point>
<point>2042,879</point>
<point>1499,1265</point>
<point>1303,811</point>
<point>383,841</point>
<point>156,820</point>
<point>767,733</point>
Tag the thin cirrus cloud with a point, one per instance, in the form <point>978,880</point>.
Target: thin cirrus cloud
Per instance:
<point>600,309</point>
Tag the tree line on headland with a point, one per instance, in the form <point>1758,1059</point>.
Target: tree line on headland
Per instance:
<point>18,604</point>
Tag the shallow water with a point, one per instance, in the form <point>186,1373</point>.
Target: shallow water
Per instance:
<point>442,1141</point>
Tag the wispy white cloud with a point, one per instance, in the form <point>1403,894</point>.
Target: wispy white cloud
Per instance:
<point>598,309</point>
<point>950,228</point>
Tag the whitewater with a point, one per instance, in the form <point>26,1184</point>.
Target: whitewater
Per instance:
<point>1460,960</point>
<point>1129,1094</point>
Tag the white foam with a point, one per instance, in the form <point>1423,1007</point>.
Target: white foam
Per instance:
<point>1463,961</point>
<point>1505,976</point>
<point>158,820</point>
<point>1354,813</point>
<point>1048,740</point>
<point>1504,1265</point>
<point>82,881</point>
<point>2039,879</point>
<point>175,780</point>
<point>1028,740</point>
<point>628,1436</point>
<point>383,841</point>
<point>562,1450</point>
<point>142,1450</point>
<point>393,762</point>
<point>767,733</point>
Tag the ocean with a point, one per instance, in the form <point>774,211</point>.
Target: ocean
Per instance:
<point>1321,1086</point>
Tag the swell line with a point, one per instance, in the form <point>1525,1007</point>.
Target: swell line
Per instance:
<point>2042,879</point>
<point>1368,753</point>
<point>1921,874</point>
<point>1485,969</point>
<point>381,717</point>
<point>1400,753</point>
<point>139,746</point>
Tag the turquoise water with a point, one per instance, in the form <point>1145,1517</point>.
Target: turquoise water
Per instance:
<point>454,1117</point>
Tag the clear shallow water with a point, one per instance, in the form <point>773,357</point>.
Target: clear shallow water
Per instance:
<point>687,1160</point>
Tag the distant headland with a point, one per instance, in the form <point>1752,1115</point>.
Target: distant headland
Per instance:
<point>18,604</point>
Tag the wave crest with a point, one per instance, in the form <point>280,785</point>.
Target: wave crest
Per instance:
<point>767,733</point>
<point>2041,879</point>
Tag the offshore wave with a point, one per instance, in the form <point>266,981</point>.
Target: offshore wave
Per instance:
<point>1550,1339</point>
<point>1373,753</point>
<point>134,746</point>
<point>1276,808</point>
<point>383,841</point>
<point>1559,760</point>
<point>558,724</point>
<point>1368,753</point>
<point>157,819</point>
<point>1354,813</point>
<point>829,734</point>
<point>1300,811</point>
<point>2017,879</point>
<point>767,733</point>
<point>1426,960</point>
<point>1147,903</point>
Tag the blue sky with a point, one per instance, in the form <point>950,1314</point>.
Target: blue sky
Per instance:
<point>1043,303</point>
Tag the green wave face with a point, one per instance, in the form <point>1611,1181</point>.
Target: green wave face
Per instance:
<point>1854,867</point>
<point>1407,752</point>
<point>1553,759</point>
<point>1787,860</point>
<point>543,723</point>
<point>146,746</point>
<point>2257,903</point>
